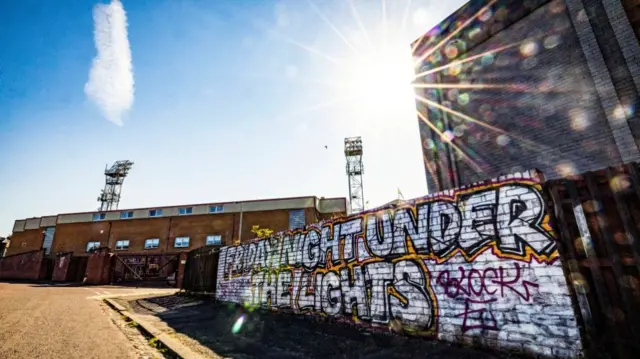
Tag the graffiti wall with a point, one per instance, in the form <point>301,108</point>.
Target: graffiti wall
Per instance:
<point>476,264</point>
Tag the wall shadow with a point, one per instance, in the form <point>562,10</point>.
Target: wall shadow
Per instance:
<point>265,334</point>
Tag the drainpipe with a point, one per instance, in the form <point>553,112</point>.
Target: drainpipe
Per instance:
<point>240,229</point>
<point>109,235</point>
<point>168,236</point>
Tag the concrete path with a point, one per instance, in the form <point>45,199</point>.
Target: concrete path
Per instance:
<point>207,329</point>
<point>40,321</point>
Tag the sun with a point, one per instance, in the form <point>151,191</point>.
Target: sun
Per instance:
<point>368,70</point>
<point>380,79</point>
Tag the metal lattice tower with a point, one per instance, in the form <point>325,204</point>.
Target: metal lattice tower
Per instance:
<point>353,153</point>
<point>114,178</point>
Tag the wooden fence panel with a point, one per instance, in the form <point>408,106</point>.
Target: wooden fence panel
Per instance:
<point>201,270</point>
<point>597,215</point>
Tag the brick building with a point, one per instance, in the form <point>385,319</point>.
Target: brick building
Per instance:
<point>167,230</point>
<point>540,84</point>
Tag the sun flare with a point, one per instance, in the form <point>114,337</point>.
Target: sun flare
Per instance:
<point>380,80</point>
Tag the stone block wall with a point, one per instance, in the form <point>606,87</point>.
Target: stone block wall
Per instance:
<point>475,264</point>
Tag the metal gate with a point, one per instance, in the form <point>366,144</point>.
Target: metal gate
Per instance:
<point>144,267</point>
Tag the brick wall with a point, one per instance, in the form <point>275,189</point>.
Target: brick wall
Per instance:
<point>73,237</point>
<point>478,264</point>
<point>27,241</point>
<point>556,84</point>
<point>22,266</point>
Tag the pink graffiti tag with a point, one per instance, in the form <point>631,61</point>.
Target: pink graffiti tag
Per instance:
<point>485,316</point>
<point>477,283</point>
<point>476,286</point>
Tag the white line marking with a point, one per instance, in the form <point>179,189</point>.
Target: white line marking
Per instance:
<point>100,297</point>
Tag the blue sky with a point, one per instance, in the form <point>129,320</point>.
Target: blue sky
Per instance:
<point>233,100</point>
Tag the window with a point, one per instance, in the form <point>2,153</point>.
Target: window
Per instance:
<point>48,233</point>
<point>216,209</point>
<point>122,245</point>
<point>151,243</point>
<point>182,242</point>
<point>99,216</point>
<point>296,218</point>
<point>92,246</point>
<point>125,215</point>
<point>213,241</point>
<point>185,210</point>
<point>155,213</point>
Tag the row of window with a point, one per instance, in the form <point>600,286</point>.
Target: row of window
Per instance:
<point>152,243</point>
<point>158,212</point>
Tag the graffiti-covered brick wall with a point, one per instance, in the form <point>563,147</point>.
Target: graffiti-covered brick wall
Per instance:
<point>475,264</point>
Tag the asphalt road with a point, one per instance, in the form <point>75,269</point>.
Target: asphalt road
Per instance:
<point>41,321</point>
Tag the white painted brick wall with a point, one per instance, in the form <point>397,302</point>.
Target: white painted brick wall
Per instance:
<point>459,275</point>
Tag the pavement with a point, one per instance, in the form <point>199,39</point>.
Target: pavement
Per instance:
<point>63,321</point>
<point>206,329</point>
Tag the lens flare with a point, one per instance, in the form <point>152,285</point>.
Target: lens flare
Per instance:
<point>566,169</point>
<point>485,15</point>
<point>455,69</point>
<point>620,183</point>
<point>579,119</point>
<point>487,59</point>
<point>529,48</point>
<point>451,51</point>
<point>458,131</point>
<point>551,41</point>
<point>622,112</point>
<point>237,325</point>
<point>503,140</point>
<point>463,99</point>
<point>474,32</point>
<point>448,136</point>
<point>452,95</point>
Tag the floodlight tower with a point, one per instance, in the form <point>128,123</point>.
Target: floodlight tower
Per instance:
<point>353,153</point>
<point>114,178</point>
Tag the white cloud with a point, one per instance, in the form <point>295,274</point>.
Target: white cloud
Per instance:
<point>110,84</point>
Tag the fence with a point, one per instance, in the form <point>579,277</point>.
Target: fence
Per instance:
<point>597,216</point>
<point>144,267</point>
<point>200,270</point>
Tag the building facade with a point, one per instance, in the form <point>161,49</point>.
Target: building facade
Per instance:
<point>167,230</point>
<point>505,86</point>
